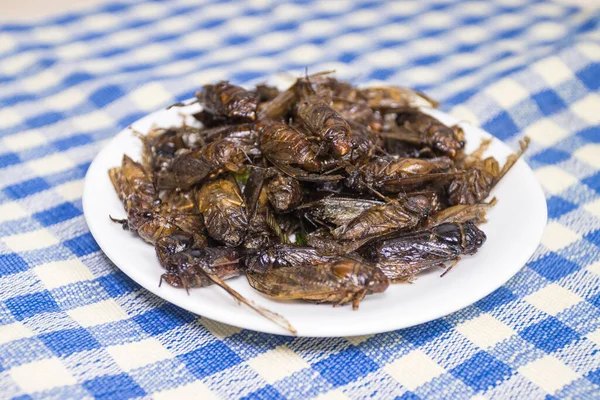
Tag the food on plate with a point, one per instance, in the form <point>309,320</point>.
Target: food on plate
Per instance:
<point>324,192</point>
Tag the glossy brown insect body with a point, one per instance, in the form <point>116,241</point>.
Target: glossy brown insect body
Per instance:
<point>160,146</point>
<point>146,215</point>
<point>339,282</point>
<point>316,113</point>
<point>421,128</point>
<point>283,144</point>
<point>395,98</point>
<point>408,254</point>
<point>336,210</point>
<point>222,206</point>
<point>283,256</point>
<point>228,101</point>
<point>378,220</point>
<point>133,186</point>
<point>365,144</point>
<point>358,112</point>
<point>266,92</point>
<point>284,193</point>
<point>185,269</point>
<point>193,167</point>
<point>393,175</point>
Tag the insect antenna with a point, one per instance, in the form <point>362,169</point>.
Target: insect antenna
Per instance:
<point>378,194</point>
<point>450,267</point>
<point>124,223</point>
<point>270,315</point>
<point>512,159</point>
<point>185,284</point>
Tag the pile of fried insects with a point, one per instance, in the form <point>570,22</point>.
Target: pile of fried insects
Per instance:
<point>324,192</point>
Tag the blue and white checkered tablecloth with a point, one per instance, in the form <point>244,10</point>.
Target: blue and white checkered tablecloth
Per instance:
<point>73,326</point>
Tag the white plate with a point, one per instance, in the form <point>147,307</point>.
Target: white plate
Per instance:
<point>513,232</point>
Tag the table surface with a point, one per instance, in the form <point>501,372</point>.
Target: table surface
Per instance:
<point>72,325</point>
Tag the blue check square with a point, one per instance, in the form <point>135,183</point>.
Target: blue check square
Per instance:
<point>11,264</point>
<point>482,371</point>
<point>346,366</point>
<point>549,334</point>
<point>68,341</point>
<point>114,387</point>
<point>553,266</point>
<point>28,305</point>
<point>210,359</point>
<point>162,319</point>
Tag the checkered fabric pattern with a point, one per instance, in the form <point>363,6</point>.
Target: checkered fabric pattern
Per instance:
<point>73,326</point>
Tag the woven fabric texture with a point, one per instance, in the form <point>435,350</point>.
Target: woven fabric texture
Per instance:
<point>73,326</point>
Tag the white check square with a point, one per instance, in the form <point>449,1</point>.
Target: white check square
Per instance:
<point>71,190</point>
<point>150,96</point>
<point>137,354</point>
<point>587,108</point>
<point>60,273</point>
<point>485,331</point>
<point>98,313</point>
<point>414,369</point>
<point>554,179</point>
<point>14,331</point>
<point>30,240</point>
<point>553,70</point>
<point>11,211</point>
<point>557,236</point>
<point>93,121</point>
<point>549,373</point>
<point>507,93</point>
<point>277,364</point>
<point>545,132</point>
<point>51,164</point>
<point>553,299</point>
<point>590,153</point>
<point>192,391</point>
<point>24,140</point>
<point>42,375</point>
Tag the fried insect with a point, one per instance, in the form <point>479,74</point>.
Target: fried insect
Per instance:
<point>283,256</point>
<point>389,217</point>
<point>315,112</point>
<point>209,161</point>
<point>481,176</point>
<point>185,269</point>
<point>135,189</point>
<point>462,213</point>
<point>146,215</point>
<point>222,206</point>
<point>419,128</point>
<point>358,112</point>
<point>228,101</point>
<point>335,210</point>
<point>343,281</point>
<point>282,144</point>
<point>280,107</point>
<point>160,146</point>
<point>284,193</point>
<point>395,98</point>
<point>408,254</point>
<point>266,92</point>
<point>189,267</point>
<point>395,174</point>
<point>365,144</point>
<point>263,227</point>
